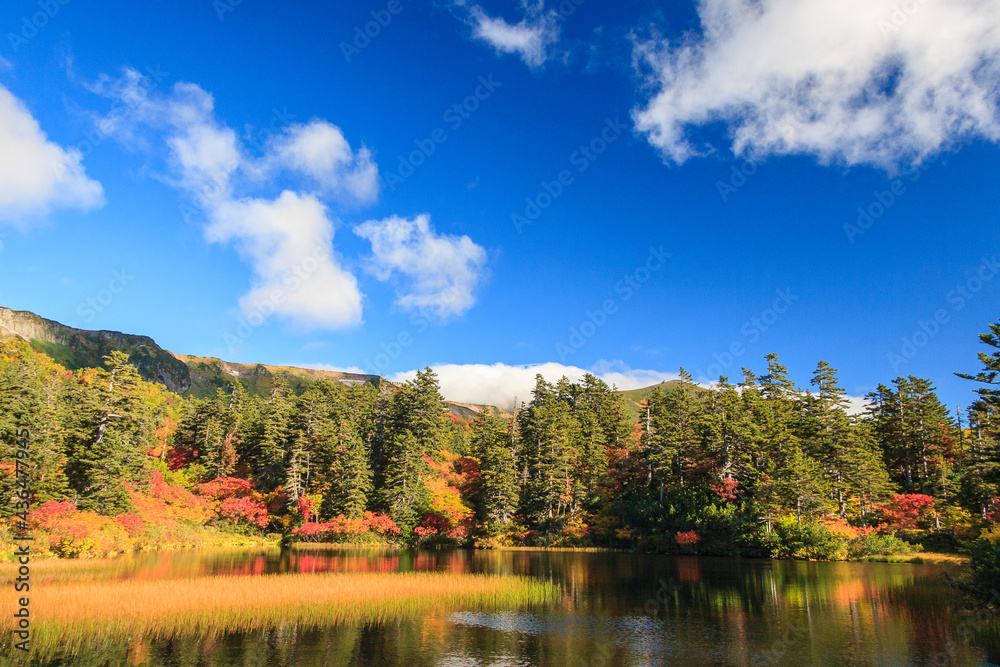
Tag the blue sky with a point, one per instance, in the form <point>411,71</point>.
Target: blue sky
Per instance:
<point>488,187</point>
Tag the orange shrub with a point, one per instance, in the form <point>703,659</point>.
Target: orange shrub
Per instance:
<point>369,528</point>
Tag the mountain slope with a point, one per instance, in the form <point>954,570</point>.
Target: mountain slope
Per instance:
<point>634,398</point>
<point>182,374</point>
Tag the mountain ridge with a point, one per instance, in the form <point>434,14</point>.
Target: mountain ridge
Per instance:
<point>199,376</point>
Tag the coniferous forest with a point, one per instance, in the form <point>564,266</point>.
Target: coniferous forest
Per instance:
<point>755,466</point>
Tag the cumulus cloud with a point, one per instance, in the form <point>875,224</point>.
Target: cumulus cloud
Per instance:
<point>287,239</point>
<point>36,174</point>
<point>320,150</point>
<point>439,272</point>
<point>854,81</point>
<point>530,38</point>
<point>498,384</point>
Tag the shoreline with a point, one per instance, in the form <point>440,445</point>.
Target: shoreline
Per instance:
<point>274,541</point>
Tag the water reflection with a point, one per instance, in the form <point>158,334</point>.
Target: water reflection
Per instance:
<point>617,609</point>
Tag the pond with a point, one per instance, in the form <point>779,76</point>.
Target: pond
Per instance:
<point>614,609</point>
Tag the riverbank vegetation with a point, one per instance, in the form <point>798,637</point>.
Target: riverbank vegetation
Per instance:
<point>757,467</point>
<point>74,612</point>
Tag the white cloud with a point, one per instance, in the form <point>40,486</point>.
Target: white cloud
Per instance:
<point>440,271</point>
<point>287,239</point>
<point>856,405</point>
<point>853,81</point>
<point>320,150</point>
<point>36,174</point>
<point>498,384</point>
<point>288,242</point>
<point>530,38</point>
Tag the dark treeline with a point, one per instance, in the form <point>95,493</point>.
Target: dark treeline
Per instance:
<point>759,467</point>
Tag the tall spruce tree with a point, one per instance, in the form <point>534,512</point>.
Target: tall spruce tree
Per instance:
<point>491,443</point>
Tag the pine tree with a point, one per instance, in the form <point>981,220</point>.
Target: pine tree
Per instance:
<point>551,435</point>
<point>418,428</point>
<point>677,423</point>
<point>276,435</point>
<point>110,453</point>
<point>491,443</point>
<point>981,476</point>
<point>32,390</point>
<point>351,482</point>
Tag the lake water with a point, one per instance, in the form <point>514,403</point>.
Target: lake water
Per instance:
<point>617,609</point>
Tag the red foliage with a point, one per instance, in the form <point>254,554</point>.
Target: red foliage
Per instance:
<point>180,457</point>
<point>305,508</point>
<point>236,500</point>
<point>244,509</point>
<point>132,523</point>
<point>466,475</point>
<point>688,538</point>
<point>49,512</point>
<point>726,489</point>
<point>904,510</point>
<point>342,528</point>
<point>221,488</point>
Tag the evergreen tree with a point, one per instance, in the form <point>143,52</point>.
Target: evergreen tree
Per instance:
<point>418,428</point>
<point>112,438</point>
<point>491,443</point>
<point>675,441</point>
<point>276,444</point>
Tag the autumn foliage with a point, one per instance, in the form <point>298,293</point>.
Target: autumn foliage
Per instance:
<point>235,501</point>
<point>369,528</point>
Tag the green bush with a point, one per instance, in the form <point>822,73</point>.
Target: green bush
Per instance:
<point>809,541</point>
<point>985,562</point>
<point>868,546</point>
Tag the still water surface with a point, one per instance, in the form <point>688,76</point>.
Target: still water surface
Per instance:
<point>617,609</point>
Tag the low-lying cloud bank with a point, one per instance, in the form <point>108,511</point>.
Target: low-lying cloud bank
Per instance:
<point>499,384</point>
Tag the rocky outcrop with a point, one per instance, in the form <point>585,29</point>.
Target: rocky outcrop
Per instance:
<point>81,348</point>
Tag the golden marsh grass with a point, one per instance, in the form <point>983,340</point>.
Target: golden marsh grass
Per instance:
<point>65,614</point>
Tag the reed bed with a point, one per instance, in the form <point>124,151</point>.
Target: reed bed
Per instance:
<point>68,614</point>
<point>63,570</point>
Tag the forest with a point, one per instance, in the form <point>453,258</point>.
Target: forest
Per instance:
<point>758,467</point>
